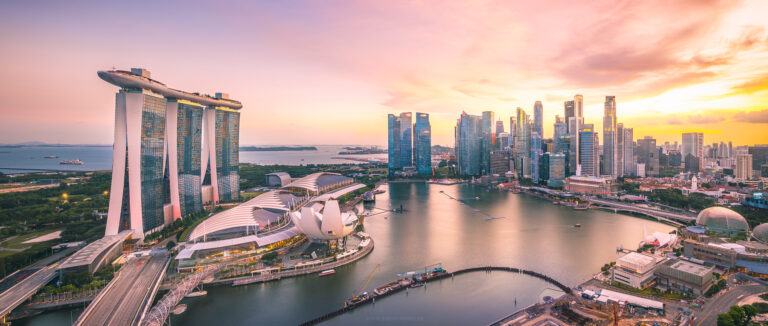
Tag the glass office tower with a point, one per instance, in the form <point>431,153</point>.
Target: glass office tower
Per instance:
<point>189,147</point>
<point>468,144</point>
<point>393,144</point>
<point>227,153</point>
<point>422,144</point>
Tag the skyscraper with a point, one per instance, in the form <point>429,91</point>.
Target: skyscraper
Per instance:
<point>423,144</point>
<point>406,139</point>
<point>538,118</point>
<point>569,113</point>
<point>468,144</point>
<point>522,144</point>
<point>578,105</point>
<point>648,154</point>
<point>489,141</point>
<point>158,149</point>
<point>610,141</point>
<point>693,143</point>
<point>556,170</point>
<point>393,141</point>
<point>619,149</point>
<point>743,167</point>
<point>221,152</point>
<point>535,154</point>
<point>630,162</point>
<point>499,127</point>
<point>588,151</point>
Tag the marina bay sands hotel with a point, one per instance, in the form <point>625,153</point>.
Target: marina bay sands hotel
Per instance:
<point>173,151</point>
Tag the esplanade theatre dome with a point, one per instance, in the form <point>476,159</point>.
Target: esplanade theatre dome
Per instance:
<point>722,220</point>
<point>761,232</point>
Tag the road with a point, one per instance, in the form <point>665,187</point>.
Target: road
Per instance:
<point>644,210</point>
<point>723,302</point>
<point>25,288</point>
<point>124,301</point>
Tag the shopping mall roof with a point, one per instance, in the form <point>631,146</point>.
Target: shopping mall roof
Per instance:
<point>721,219</point>
<point>261,241</point>
<point>689,267</point>
<point>245,214</point>
<point>338,193</point>
<point>317,181</point>
<point>94,250</point>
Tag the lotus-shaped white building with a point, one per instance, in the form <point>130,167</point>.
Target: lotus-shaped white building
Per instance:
<point>324,221</point>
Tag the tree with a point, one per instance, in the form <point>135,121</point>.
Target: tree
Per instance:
<point>738,315</point>
<point>170,245</point>
<point>750,310</point>
<point>725,320</point>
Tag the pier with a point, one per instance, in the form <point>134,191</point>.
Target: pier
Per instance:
<point>393,290</point>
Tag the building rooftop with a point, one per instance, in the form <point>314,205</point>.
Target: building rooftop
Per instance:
<point>94,250</point>
<point>689,267</point>
<point>285,233</point>
<point>638,262</point>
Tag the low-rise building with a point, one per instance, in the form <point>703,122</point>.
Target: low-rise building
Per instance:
<point>278,179</point>
<point>636,270</point>
<point>683,276</point>
<point>591,185</point>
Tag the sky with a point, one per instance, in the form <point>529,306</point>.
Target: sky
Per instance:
<point>329,72</point>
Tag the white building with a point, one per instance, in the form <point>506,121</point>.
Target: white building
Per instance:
<point>743,167</point>
<point>635,269</point>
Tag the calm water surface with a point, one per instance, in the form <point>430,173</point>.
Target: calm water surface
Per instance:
<point>534,234</point>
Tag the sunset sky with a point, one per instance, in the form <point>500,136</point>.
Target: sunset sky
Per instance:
<point>328,72</point>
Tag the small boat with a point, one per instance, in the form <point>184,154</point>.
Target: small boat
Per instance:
<point>477,198</point>
<point>577,225</point>
<point>180,309</point>
<point>196,294</point>
<point>51,156</point>
<point>416,284</point>
<point>71,162</point>
<point>327,272</point>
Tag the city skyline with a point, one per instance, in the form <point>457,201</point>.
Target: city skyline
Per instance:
<point>704,73</point>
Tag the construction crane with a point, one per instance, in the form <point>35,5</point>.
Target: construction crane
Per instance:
<point>618,309</point>
<point>358,295</point>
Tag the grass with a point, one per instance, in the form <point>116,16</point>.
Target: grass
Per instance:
<point>18,242</point>
<point>6,253</point>
<point>248,195</point>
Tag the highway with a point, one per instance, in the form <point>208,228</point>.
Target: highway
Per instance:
<point>125,300</point>
<point>723,302</point>
<point>25,288</point>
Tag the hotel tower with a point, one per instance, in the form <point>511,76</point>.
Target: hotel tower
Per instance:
<point>173,150</point>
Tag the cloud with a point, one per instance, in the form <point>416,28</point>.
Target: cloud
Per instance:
<point>674,121</point>
<point>752,117</point>
<point>757,84</point>
<point>705,119</point>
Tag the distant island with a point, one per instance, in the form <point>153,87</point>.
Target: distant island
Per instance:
<point>277,148</point>
<point>362,150</point>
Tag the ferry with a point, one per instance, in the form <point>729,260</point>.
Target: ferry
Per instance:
<point>416,284</point>
<point>71,162</point>
<point>197,294</point>
<point>429,274</point>
<point>327,272</point>
<point>392,286</point>
<point>581,207</point>
<point>577,225</point>
<point>51,156</point>
<point>180,309</point>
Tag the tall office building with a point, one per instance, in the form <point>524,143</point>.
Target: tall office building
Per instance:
<point>535,154</point>
<point>393,144</point>
<point>556,170</point>
<point>619,149</point>
<point>499,127</point>
<point>406,139</point>
<point>422,144</point>
<point>743,167</point>
<point>158,149</point>
<point>693,143</point>
<point>630,160</point>
<point>588,151</point>
<point>610,141</point>
<point>648,155</point>
<point>522,144</point>
<point>568,112</point>
<point>578,105</point>
<point>538,118</point>
<point>468,136</point>
<point>489,141</point>
<point>560,137</point>
<point>222,161</point>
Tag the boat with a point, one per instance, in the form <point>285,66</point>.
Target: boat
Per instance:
<point>392,286</point>
<point>581,207</point>
<point>357,299</point>
<point>51,156</point>
<point>416,284</point>
<point>327,272</point>
<point>577,225</point>
<point>196,294</point>
<point>477,198</point>
<point>180,309</point>
<point>72,162</point>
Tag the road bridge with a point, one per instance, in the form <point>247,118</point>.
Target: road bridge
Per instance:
<point>128,296</point>
<point>672,217</point>
<point>24,288</point>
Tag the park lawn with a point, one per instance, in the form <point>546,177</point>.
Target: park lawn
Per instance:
<point>6,253</point>
<point>18,242</point>
<point>248,195</point>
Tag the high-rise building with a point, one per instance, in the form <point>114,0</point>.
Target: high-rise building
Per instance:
<point>610,141</point>
<point>422,144</point>
<point>560,137</point>
<point>503,141</point>
<point>556,170</point>
<point>489,141</point>
<point>575,123</point>
<point>512,134</point>
<point>499,127</point>
<point>759,155</point>
<point>393,144</point>
<point>630,160</point>
<point>523,144</point>
<point>501,161</point>
<point>648,154</point>
<point>535,154</point>
<point>159,154</point>
<point>400,141</point>
<point>588,151</point>
<point>743,167</point>
<point>569,113</point>
<point>406,139</point>
<point>543,169</point>
<point>538,118</point>
<point>468,144</point>
<point>693,143</point>
<point>619,149</point>
<point>578,105</point>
